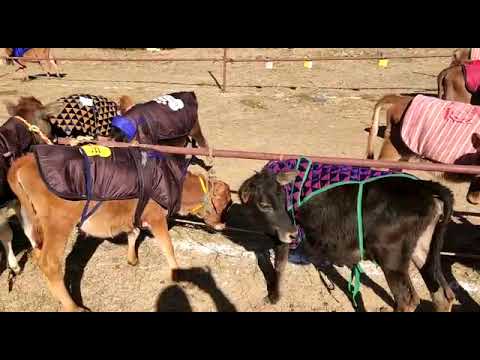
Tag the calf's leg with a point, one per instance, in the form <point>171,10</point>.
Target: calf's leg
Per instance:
<point>406,298</point>
<point>6,237</point>
<point>157,223</point>
<point>49,259</point>
<point>281,258</point>
<point>388,151</point>
<point>132,257</point>
<point>197,135</point>
<point>473,195</point>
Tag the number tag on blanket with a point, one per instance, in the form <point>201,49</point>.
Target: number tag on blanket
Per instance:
<point>97,150</point>
<point>85,101</point>
<point>173,103</point>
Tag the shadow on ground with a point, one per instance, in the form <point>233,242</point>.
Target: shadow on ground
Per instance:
<point>174,298</point>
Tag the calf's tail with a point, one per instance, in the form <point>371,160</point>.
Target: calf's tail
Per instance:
<point>18,171</point>
<point>387,100</point>
<point>446,196</point>
<point>441,83</point>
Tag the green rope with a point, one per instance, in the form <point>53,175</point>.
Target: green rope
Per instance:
<point>354,284</point>
<point>357,270</point>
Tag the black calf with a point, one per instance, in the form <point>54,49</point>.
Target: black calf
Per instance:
<point>403,221</point>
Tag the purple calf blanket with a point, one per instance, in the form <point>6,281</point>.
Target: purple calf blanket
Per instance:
<point>159,119</point>
<point>128,173</point>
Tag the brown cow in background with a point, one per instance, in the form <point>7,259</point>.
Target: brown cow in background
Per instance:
<point>452,82</point>
<point>32,54</point>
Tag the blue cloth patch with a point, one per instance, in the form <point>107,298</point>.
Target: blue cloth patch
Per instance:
<point>19,52</point>
<point>125,125</point>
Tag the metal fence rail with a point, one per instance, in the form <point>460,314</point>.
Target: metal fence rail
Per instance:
<point>228,60</point>
<point>252,155</point>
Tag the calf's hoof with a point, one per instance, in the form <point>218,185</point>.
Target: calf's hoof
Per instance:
<point>272,298</point>
<point>473,197</point>
<point>443,300</point>
<point>174,275</point>
<point>16,269</point>
<point>76,308</point>
<point>132,262</point>
<point>219,227</point>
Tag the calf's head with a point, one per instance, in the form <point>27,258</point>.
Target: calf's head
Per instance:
<point>209,200</point>
<point>34,112</point>
<point>220,201</point>
<point>460,56</point>
<point>125,104</point>
<point>264,193</point>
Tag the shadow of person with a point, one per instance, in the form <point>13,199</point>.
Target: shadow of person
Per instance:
<point>76,262</point>
<point>174,298</point>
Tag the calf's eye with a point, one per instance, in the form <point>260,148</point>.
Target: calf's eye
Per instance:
<point>264,206</point>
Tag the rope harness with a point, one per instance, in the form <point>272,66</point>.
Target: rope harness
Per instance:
<point>34,129</point>
<point>204,187</point>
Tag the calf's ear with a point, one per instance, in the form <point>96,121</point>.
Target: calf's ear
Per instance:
<point>11,108</point>
<point>285,178</point>
<point>246,191</point>
<point>476,141</point>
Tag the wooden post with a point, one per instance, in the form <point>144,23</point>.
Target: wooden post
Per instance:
<point>224,84</point>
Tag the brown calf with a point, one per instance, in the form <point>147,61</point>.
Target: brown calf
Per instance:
<point>48,220</point>
<point>452,86</point>
<point>32,54</point>
<point>394,148</point>
<point>28,125</point>
<point>126,103</point>
<point>451,81</point>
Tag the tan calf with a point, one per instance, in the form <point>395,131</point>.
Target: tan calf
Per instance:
<point>49,220</point>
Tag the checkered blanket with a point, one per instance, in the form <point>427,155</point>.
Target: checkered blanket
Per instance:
<point>440,130</point>
<point>84,115</point>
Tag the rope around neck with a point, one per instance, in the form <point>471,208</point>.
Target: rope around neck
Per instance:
<point>34,129</point>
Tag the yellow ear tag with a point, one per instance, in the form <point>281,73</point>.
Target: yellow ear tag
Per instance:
<point>307,64</point>
<point>383,63</point>
<point>97,150</point>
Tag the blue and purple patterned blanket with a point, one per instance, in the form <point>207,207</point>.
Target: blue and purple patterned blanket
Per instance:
<point>314,177</point>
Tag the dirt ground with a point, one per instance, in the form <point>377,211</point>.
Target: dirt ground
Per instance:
<point>318,111</point>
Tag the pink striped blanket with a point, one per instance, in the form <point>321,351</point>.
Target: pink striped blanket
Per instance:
<point>475,54</point>
<point>471,71</point>
<point>440,130</point>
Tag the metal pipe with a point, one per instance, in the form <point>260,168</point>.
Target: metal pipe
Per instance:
<point>238,154</point>
<point>231,60</point>
<point>339,58</point>
<point>114,59</point>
